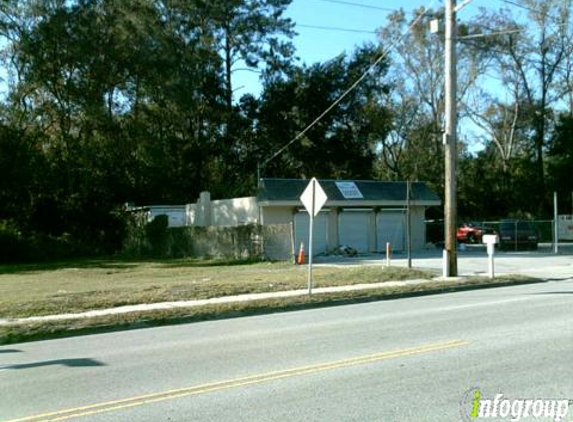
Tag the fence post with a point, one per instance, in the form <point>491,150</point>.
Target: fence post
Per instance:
<point>388,253</point>
<point>555,228</point>
<point>515,237</point>
<point>292,246</point>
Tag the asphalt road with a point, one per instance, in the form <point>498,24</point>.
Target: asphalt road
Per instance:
<point>398,360</point>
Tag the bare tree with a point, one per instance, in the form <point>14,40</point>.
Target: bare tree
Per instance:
<point>532,65</point>
<point>417,72</point>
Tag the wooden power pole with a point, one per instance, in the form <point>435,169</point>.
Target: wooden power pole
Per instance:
<point>450,142</point>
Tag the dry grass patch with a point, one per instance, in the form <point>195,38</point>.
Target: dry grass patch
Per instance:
<point>98,284</point>
<point>63,328</point>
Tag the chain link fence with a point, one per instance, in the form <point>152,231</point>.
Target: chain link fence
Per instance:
<point>517,235</point>
<point>513,234</point>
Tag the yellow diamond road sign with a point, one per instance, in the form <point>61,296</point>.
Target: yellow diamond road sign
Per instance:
<point>313,198</point>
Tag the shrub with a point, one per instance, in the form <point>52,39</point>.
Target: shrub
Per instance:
<point>12,248</point>
<point>157,235</point>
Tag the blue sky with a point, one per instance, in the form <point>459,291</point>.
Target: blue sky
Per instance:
<point>318,45</point>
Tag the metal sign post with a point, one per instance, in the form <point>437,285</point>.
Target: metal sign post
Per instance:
<point>310,233</point>
<point>313,198</point>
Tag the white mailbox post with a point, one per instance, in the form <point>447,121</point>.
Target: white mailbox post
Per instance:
<point>490,240</point>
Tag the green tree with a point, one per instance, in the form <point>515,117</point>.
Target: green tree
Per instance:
<point>413,148</point>
<point>22,165</point>
<point>250,33</point>
<point>532,63</point>
<point>341,144</point>
<point>560,160</point>
<point>130,103</point>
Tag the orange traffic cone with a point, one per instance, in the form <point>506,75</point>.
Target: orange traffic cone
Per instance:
<point>300,260</point>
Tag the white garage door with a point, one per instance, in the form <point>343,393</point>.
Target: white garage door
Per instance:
<point>301,226</point>
<point>390,227</point>
<point>353,229</point>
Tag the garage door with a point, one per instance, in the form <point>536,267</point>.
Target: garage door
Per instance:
<point>301,226</point>
<point>390,227</point>
<point>353,229</point>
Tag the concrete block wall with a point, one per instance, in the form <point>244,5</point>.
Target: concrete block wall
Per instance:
<point>277,242</point>
<point>203,210</point>
<point>223,212</point>
<point>234,212</point>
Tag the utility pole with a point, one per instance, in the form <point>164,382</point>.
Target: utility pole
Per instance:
<point>450,142</point>
<point>409,223</point>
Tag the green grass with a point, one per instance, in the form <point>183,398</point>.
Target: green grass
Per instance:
<point>65,328</point>
<point>75,286</point>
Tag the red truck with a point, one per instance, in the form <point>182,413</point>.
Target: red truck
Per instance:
<point>472,232</point>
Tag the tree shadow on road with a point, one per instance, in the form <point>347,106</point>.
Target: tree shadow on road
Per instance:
<point>70,363</point>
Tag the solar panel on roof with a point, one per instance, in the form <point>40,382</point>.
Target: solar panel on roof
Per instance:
<point>349,190</point>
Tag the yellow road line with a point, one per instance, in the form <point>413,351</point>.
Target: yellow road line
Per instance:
<point>233,383</point>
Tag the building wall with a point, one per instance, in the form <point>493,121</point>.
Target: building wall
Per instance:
<point>276,215</point>
<point>278,242</point>
<point>190,214</point>
<point>332,235</point>
<point>285,215</point>
<point>418,217</point>
<point>241,211</point>
<point>203,210</point>
<point>226,212</point>
<point>176,215</point>
<point>234,212</point>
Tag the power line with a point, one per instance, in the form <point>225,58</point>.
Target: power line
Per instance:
<point>368,6</point>
<point>364,6</point>
<point>498,32</point>
<point>345,93</point>
<point>334,28</point>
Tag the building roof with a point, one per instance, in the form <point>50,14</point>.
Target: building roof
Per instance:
<point>370,192</point>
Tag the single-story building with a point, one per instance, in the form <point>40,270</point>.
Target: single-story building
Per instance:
<point>362,214</point>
